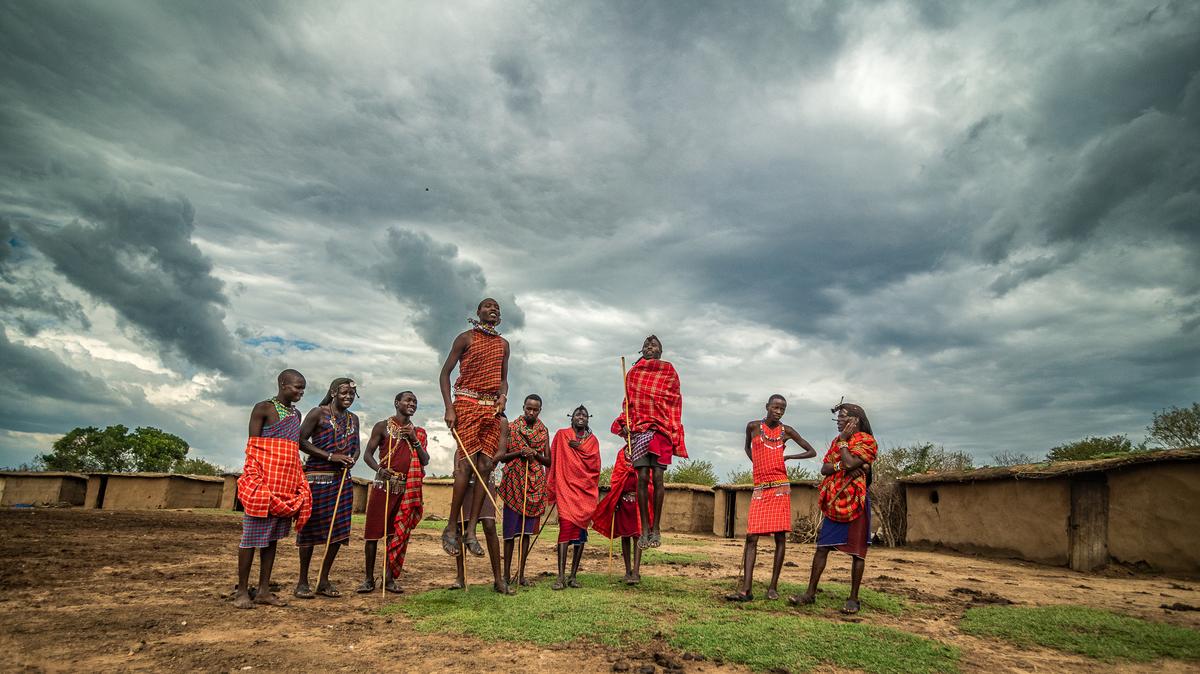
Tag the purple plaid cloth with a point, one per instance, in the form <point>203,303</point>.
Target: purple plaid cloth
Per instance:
<point>261,532</point>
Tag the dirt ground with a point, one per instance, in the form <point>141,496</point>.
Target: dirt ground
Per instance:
<point>87,590</point>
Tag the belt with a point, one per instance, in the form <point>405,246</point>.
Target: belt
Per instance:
<point>478,398</point>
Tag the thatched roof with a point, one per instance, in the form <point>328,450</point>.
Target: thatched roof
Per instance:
<point>1045,471</point>
<point>40,473</point>
<point>749,487</point>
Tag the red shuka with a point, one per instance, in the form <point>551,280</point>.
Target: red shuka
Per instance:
<point>573,481</point>
<point>624,480</point>
<point>272,481</point>
<point>655,402</point>
<point>840,498</point>
<point>481,364</point>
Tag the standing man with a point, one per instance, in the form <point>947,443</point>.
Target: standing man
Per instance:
<point>617,515</point>
<point>480,395</point>
<point>523,486</point>
<point>771,501</point>
<point>654,405</point>
<point>844,499</point>
<point>272,487</point>
<point>329,436</point>
<point>573,484</point>
<point>402,456</point>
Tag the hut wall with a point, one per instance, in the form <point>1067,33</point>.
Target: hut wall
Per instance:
<point>126,492</point>
<point>44,489</point>
<point>1016,518</point>
<point>436,493</point>
<point>688,509</point>
<point>361,488</point>
<point>229,500</point>
<point>804,504</point>
<point>1151,510</point>
<point>92,498</point>
<point>191,492</point>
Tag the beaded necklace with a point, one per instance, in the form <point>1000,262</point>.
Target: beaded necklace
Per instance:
<point>768,441</point>
<point>340,437</point>
<point>485,329</point>
<point>284,411</point>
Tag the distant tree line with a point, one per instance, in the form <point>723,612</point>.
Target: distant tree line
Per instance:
<point>116,449</point>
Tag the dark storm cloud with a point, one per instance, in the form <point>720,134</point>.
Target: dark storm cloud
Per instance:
<point>133,251</point>
<point>441,288</point>
<point>26,370</point>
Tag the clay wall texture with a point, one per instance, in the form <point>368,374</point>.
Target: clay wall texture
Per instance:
<point>229,493</point>
<point>42,489</point>
<point>1012,518</point>
<point>1151,516</point>
<point>688,509</point>
<point>141,492</point>
<point>804,504</point>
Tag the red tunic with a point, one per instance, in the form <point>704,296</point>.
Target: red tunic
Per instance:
<point>771,502</point>
<point>481,364</point>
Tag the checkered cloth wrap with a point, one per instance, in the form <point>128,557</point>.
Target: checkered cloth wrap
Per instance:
<point>655,403</point>
<point>481,365</point>
<point>573,481</point>
<point>336,436</point>
<point>261,532</point>
<point>272,482</point>
<point>840,498</point>
<point>613,510</point>
<point>771,501</point>
<point>524,481</point>
<point>411,510</point>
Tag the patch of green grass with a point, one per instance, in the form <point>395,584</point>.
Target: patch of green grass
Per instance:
<point>832,597</point>
<point>652,556</point>
<point>688,612</point>
<point>691,542</point>
<point>1086,631</point>
<point>767,641</point>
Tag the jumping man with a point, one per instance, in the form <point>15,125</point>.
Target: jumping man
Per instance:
<point>480,395</point>
<point>487,518</point>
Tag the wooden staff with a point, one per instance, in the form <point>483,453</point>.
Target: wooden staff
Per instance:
<point>333,519</point>
<point>545,519</point>
<point>387,493</point>
<point>478,476</point>
<point>521,534</point>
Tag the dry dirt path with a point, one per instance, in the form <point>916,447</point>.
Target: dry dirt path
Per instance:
<point>86,590</point>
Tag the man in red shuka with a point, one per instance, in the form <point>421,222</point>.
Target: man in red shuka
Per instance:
<point>573,484</point>
<point>654,430</point>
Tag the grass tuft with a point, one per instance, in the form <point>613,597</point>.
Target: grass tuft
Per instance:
<point>690,615</point>
<point>1087,631</point>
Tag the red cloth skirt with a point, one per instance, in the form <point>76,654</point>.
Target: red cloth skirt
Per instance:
<point>770,510</point>
<point>569,532</point>
<point>626,522</point>
<point>477,425</point>
<point>377,518</point>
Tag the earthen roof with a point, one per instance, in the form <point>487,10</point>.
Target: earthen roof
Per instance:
<point>1048,470</point>
<point>40,473</point>
<point>750,487</point>
<point>201,478</point>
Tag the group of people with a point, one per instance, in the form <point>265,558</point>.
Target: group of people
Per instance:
<point>539,473</point>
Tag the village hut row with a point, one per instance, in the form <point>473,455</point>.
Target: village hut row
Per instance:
<point>1133,509</point>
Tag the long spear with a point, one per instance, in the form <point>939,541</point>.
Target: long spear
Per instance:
<point>521,534</point>
<point>333,518</point>
<point>387,493</point>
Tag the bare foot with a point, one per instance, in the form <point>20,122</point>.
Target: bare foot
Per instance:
<point>303,591</point>
<point>772,594</point>
<point>269,599</point>
<point>243,600</point>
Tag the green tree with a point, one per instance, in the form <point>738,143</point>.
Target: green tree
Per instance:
<point>1176,427</point>
<point>1091,448</point>
<point>740,477</point>
<point>606,477</point>
<point>89,450</point>
<point>798,473</point>
<point>691,471</point>
<point>196,466</point>
<point>1007,458</point>
<point>115,450</point>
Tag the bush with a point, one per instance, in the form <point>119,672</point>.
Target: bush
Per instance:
<point>691,471</point>
<point>1175,428</point>
<point>1012,459</point>
<point>740,477</point>
<point>1091,448</point>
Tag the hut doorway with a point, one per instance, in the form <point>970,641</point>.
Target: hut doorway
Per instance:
<point>1088,525</point>
<point>730,513</point>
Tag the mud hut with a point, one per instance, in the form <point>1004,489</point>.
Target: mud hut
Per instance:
<point>41,488</point>
<point>731,507</point>
<point>125,491</point>
<point>229,494</point>
<point>1134,509</point>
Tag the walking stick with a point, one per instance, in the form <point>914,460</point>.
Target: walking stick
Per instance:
<point>521,534</point>
<point>387,493</point>
<point>478,476</point>
<point>545,519</point>
<point>333,519</point>
<point>612,535</point>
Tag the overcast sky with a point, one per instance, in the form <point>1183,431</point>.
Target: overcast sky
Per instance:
<point>981,221</point>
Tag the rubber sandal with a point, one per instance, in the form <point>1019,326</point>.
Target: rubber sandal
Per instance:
<point>303,592</point>
<point>367,587</point>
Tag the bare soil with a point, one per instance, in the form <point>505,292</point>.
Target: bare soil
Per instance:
<point>87,590</point>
